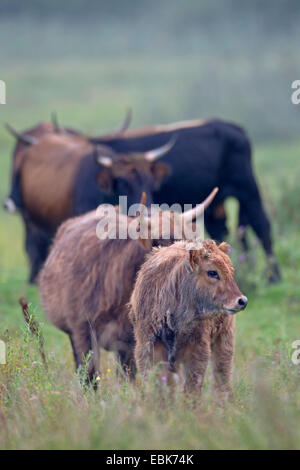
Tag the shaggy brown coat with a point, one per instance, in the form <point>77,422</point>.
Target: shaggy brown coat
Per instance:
<point>86,283</point>
<point>182,311</point>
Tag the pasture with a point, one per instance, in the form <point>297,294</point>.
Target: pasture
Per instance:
<point>48,409</point>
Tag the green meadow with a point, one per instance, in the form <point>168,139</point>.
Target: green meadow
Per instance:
<point>48,67</point>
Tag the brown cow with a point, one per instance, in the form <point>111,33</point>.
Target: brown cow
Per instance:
<point>182,309</point>
<point>31,136</point>
<point>86,283</point>
<point>63,175</point>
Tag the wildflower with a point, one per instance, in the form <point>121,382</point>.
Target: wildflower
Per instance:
<point>107,370</point>
<point>164,378</point>
<point>242,258</point>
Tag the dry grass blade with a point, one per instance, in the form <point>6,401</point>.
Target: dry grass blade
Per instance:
<point>34,328</point>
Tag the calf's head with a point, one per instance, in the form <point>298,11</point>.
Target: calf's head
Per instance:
<point>212,277</point>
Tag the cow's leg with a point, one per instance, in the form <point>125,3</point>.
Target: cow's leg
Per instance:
<point>222,362</point>
<point>143,352</point>
<point>127,362</point>
<point>195,364</point>
<point>241,229</point>
<point>260,223</point>
<point>37,246</point>
<point>82,345</point>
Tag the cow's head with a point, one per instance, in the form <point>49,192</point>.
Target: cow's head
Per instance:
<point>212,277</point>
<point>131,175</point>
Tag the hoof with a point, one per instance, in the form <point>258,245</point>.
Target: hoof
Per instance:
<point>274,275</point>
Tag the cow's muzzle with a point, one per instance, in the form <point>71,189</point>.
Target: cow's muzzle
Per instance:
<point>9,205</point>
<point>240,304</point>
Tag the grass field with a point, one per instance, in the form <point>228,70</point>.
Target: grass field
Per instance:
<point>48,409</point>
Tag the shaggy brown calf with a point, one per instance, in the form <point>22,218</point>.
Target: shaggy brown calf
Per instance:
<point>182,309</point>
<point>86,283</point>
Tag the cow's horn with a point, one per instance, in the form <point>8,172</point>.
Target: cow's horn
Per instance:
<point>154,154</point>
<point>143,198</point>
<point>125,124</point>
<point>26,139</point>
<point>54,121</point>
<point>200,208</point>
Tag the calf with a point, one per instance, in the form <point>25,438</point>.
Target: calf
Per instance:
<point>182,309</point>
<point>86,283</point>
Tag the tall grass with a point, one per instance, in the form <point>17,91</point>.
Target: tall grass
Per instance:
<point>42,408</point>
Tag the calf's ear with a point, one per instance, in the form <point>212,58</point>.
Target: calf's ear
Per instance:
<point>192,261</point>
<point>105,180</point>
<point>160,171</point>
<point>225,247</point>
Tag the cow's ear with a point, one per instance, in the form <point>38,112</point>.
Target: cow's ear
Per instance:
<point>192,261</point>
<point>146,243</point>
<point>219,211</point>
<point>225,247</point>
<point>105,180</point>
<point>160,171</point>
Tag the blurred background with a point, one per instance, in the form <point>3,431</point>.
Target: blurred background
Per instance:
<point>169,60</point>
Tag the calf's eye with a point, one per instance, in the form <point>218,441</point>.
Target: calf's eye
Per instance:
<point>213,274</point>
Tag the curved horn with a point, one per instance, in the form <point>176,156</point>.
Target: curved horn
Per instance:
<point>103,160</point>
<point>26,139</point>
<point>54,121</point>
<point>154,154</point>
<point>125,124</point>
<point>200,208</point>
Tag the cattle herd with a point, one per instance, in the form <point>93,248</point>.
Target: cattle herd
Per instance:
<point>158,298</point>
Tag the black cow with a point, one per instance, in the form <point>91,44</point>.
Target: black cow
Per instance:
<point>206,154</point>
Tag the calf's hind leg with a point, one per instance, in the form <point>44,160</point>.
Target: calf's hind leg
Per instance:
<point>195,364</point>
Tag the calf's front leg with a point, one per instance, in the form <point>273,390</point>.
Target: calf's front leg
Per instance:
<point>222,362</point>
